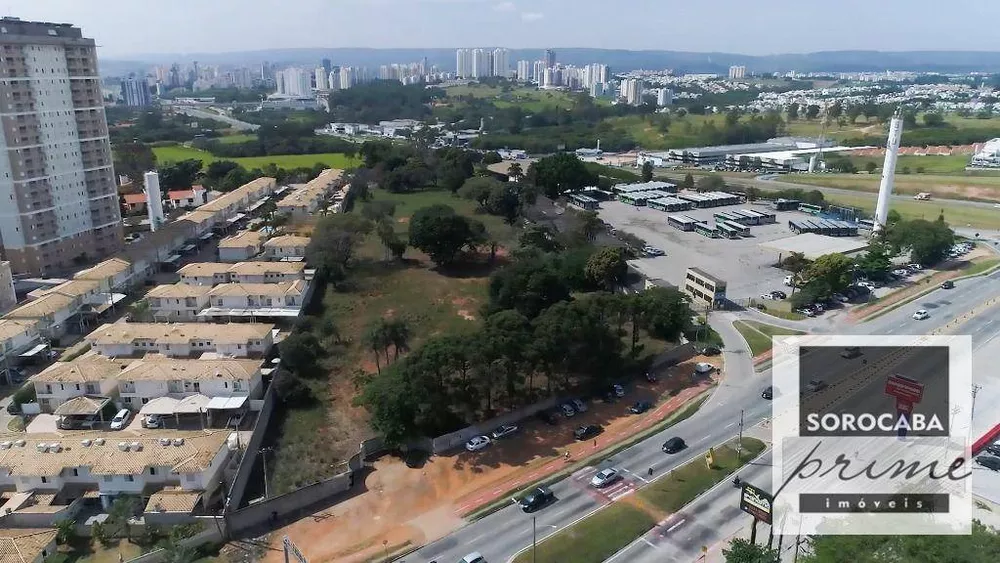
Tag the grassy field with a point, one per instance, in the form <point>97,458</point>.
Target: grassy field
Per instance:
<point>601,535</point>
<point>529,98</point>
<point>955,215</point>
<point>314,439</point>
<point>233,139</point>
<point>681,133</point>
<point>814,128</point>
<point>758,335</point>
<point>333,160</point>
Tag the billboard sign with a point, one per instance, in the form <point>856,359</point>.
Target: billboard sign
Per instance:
<point>756,502</point>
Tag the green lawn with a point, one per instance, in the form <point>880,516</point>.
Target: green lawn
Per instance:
<point>407,203</point>
<point>930,164</point>
<point>955,215</point>
<point>758,335</point>
<point>232,139</point>
<point>333,160</point>
<point>683,131</point>
<point>602,534</point>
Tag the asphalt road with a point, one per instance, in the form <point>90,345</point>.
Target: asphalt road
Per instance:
<point>205,114</point>
<point>504,533</point>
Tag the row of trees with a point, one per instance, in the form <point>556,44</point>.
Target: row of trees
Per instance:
<point>382,100</point>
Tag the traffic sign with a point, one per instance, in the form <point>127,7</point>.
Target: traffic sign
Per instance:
<point>904,409</point>
<point>904,388</point>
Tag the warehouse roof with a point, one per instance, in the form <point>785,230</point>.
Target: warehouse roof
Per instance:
<point>813,245</point>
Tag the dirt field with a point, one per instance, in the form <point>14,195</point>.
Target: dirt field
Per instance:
<point>407,507</point>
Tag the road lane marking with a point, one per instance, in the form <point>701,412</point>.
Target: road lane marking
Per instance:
<point>677,525</point>
<point>650,544</point>
<point>730,425</point>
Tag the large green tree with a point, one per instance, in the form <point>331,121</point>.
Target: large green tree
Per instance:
<point>607,268</point>
<point>442,233</point>
<point>982,546</point>
<point>560,173</point>
<point>334,241</point>
<point>133,159</point>
<point>528,286</point>
<point>927,241</point>
<point>833,272</point>
<point>742,551</point>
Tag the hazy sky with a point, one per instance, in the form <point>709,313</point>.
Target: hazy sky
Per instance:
<point>129,27</point>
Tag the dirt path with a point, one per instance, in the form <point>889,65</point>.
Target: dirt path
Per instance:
<point>404,506</point>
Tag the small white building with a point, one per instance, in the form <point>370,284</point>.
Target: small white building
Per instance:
<point>157,376</point>
<point>180,199</point>
<point>204,273</point>
<point>241,246</point>
<point>182,340</point>
<point>90,374</point>
<point>267,272</point>
<point>178,302</point>
<point>286,246</point>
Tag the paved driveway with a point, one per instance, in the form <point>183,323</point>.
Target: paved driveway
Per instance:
<point>43,423</point>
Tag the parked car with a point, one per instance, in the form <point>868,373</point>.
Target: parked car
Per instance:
<point>767,393</point>
<point>579,405</point>
<point>537,499</point>
<point>815,385</point>
<point>605,477</point>
<point>766,296</point>
<point>851,352</point>
<point>474,557</point>
<point>640,407</point>
<point>789,280</point>
<point>152,421</point>
<point>588,431</point>
<point>618,390</point>
<point>947,284</point>
<point>711,351</point>
<point>778,294</point>
<point>914,267</point>
<point>503,431</point>
<point>806,312</point>
<point>548,416</point>
<point>989,462</point>
<point>121,419</point>
<point>921,315</point>
<point>993,449</point>
<point>673,445</point>
<point>477,443</point>
<point>651,377</point>
<point>567,410</point>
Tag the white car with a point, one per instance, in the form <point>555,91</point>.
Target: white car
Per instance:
<point>605,478</point>
<point>921,315</point>
<point>766,296</point>
<point>477,443</point>
<point>474,557</point>
<point>153,421</point>
<point>121,419</point>
<point>914,267</point>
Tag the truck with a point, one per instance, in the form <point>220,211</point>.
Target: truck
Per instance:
<point>922,196</point>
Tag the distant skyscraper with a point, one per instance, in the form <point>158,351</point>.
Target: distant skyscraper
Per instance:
<point>631,91</point>
<point>135,92</point>
<point>501,62</point>
<point>327,65</point>
<point>294,81</point>
<point>321,78</point>
<point>482,63</point>
<point>550,58</point>
<point>664,97</point>
<point>524,71</point>
<point>538,72</point>
<point>60,208</point>
<point>736,72</point>
<point>463,63</point>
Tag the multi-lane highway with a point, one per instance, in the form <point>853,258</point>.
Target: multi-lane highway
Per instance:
<point>504,533</point>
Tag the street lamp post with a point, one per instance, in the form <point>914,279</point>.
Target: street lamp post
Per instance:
<point>534,540</point>
<point>263,456</point>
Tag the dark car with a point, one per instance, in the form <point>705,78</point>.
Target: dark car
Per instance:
<point>993,449</point>
<point>537,499</point>
<point>947,284</point>
<point>768,393</point>
<point>640,407</point>
<point>618,390</point>
<point>588,431</point>
<point>650,377</point>
<point>779,295</point>
<point>548,416</point>
<point>503,431</point>
<point>851,352</point>
<point>989,462</point>
<point>815,385</point>
<point>673,445</point>
<point>711,351</point>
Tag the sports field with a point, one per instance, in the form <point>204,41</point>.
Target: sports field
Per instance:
<point>331,159</point>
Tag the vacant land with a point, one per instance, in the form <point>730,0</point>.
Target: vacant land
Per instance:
<point>758,335</point>
<point>233,139</point>
<point>974,185</point>
<point>334,160</point>
<point>601,535</point>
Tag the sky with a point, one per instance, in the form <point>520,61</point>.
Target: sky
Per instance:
<point>126,28</point>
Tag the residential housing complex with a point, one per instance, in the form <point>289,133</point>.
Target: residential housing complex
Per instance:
<point>286,247</point>
<point>241,246</point>
<point>306,200</point>
<point>182,340</point>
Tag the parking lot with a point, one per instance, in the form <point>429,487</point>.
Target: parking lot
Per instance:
<point>747,268</point>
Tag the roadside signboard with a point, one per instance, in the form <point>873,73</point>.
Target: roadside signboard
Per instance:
<point>904,388</point>
<point>756,502</point>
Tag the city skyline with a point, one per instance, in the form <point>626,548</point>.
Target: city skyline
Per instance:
<point>733,27</point>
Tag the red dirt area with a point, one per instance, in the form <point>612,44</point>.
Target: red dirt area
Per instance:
<point>413,506</point>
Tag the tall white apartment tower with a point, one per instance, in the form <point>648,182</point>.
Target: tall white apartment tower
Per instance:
<point>501,62</point>
<point>463,63</point>
<point>154,199</point>
<point>57,184</point>
<point>482,63</point>
<point>524,71</point>
<point>321,82</point>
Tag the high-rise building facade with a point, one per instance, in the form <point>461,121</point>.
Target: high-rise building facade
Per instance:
<point>631,91</point>
<point>294,82</point>
<point>501,62</point>
<point>135,92</point>
<point>736,72</point>
<point>321,78</point>
<point>550,58</point>
<point>524,71</point>
<point>482,63</point>
<point>463,63</point>
<point>60,207</point>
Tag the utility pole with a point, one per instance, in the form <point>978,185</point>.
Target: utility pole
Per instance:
<point>263,456</point>
<point>975,391</point>
<point>534,540</point>
<point>739,441</point>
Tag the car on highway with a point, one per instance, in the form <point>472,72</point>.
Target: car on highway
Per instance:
<point>503,431</point>
<point>921,315</point>
<point>947,284</point>
<point>587,431</point>
<point>618,390</point>
<point>673,445</point>
<point>605,477</point>
<point>474,557</point>
<point>767,393</point>
<point>640,407</point>
<point>579,405</point>
<point>814,385</point>
<point>851,352</point>
<point>567,410</point>
<point>989,462</point>
<point>536,499</point>
<point>477,443</point>
<point>121,419</point>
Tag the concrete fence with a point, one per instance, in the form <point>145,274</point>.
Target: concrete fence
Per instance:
<point>675,356</point>
<point>246,466</point>
<point>459,437</point>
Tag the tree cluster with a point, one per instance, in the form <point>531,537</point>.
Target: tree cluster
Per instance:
<point>267,145</point>
<point>405,168</point>
<point>151,125</point>
<point>559,174</point>
<point>503,199</point>
<point>444,234</point>
<point>382,100</point>
<point>928,242</point>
